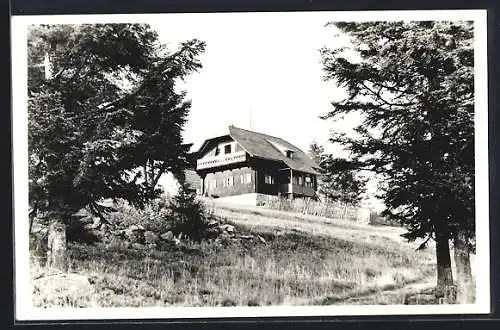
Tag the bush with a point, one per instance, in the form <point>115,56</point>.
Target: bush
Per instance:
<point>189,216</point>
<point>182,213</point>
<point>155,216</point>
<point>378,220</point>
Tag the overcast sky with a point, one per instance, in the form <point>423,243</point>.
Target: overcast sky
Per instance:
<point>261,71</point>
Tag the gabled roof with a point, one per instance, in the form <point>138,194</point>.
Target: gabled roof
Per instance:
<point>269,147</point>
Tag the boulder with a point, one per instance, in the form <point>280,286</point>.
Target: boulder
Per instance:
<point>63,285</point>
<point>136,227</point>
<point>134,236</point>
<point>150,237</point>
<point>227,228</point>
<point>138,246</point>
<point>96,223</point>
<point>168,236</point>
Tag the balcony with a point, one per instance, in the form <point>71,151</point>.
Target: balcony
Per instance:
<point>288,188</point>
<point>221,160</point>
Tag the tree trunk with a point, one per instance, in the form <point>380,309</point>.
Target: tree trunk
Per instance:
<point>465,283</point>
<point>444,272</point>
<point>57,244</point>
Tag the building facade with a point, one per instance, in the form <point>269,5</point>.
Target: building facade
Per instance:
<point>246,163</point>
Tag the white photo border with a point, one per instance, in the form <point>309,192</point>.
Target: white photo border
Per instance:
<point>23,308</point>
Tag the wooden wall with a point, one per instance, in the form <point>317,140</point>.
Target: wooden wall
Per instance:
<point>222,189</point>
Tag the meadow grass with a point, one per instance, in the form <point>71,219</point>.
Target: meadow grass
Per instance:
<point>292,268</point>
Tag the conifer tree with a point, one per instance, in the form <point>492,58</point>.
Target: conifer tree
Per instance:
<point>413,83</point>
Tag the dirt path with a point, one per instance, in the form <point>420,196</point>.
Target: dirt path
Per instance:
<point>388,295</point>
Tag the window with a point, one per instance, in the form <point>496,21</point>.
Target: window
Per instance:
<point>268,179</point>
<point>227,149</point>
<point>300,180</point>
<point>246,178</point>
<point>289,153</point>
<point>229,181</point>
<point>309,182</point>
<point>217,151</point>
<point>212,184</point>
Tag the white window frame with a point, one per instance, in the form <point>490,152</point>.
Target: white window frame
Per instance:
<point>246,178</point>
<point>268,179</point>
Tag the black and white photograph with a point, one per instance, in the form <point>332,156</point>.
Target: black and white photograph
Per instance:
<point>198,165</point>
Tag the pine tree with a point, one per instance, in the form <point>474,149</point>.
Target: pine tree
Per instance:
<point>102,105</point>
<point>413,83</point>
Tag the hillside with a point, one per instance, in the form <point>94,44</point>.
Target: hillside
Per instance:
<point>271,258</point>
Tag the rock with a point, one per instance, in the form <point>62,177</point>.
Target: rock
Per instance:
<point>150,237</point>
<point>212,223</point>
<point>177,241</point>
<point>135,236</point>
<point>228,228</point>
<point>228,302</point>
<point>96,223</point>
<point>262,239</point>
<point>119,233</point>
<point>135,227</point>
<point>246,236</point>
<point>138,246</point>
<point>63,285</point>
<point>168,236</point>
<point>152,246</point>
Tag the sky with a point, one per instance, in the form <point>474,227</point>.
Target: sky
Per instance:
<point>261,71</point>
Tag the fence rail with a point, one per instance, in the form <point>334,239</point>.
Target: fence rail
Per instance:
<point>309,206</point>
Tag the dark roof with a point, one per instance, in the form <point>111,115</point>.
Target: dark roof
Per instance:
<point>268,147</point>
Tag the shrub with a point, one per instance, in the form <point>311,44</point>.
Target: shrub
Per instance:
<point>378,220</point>
<point>155,216</point>
<point>188,214</point>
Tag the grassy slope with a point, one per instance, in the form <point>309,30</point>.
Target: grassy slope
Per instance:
<point>306,260</point>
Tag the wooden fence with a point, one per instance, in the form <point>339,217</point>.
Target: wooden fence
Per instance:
<point>308,206</point>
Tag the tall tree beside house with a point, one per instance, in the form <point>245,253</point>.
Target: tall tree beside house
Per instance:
<point>101,101</point>
<point>316,152</point>
<point>413,82</point>
<point>338,181</point>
